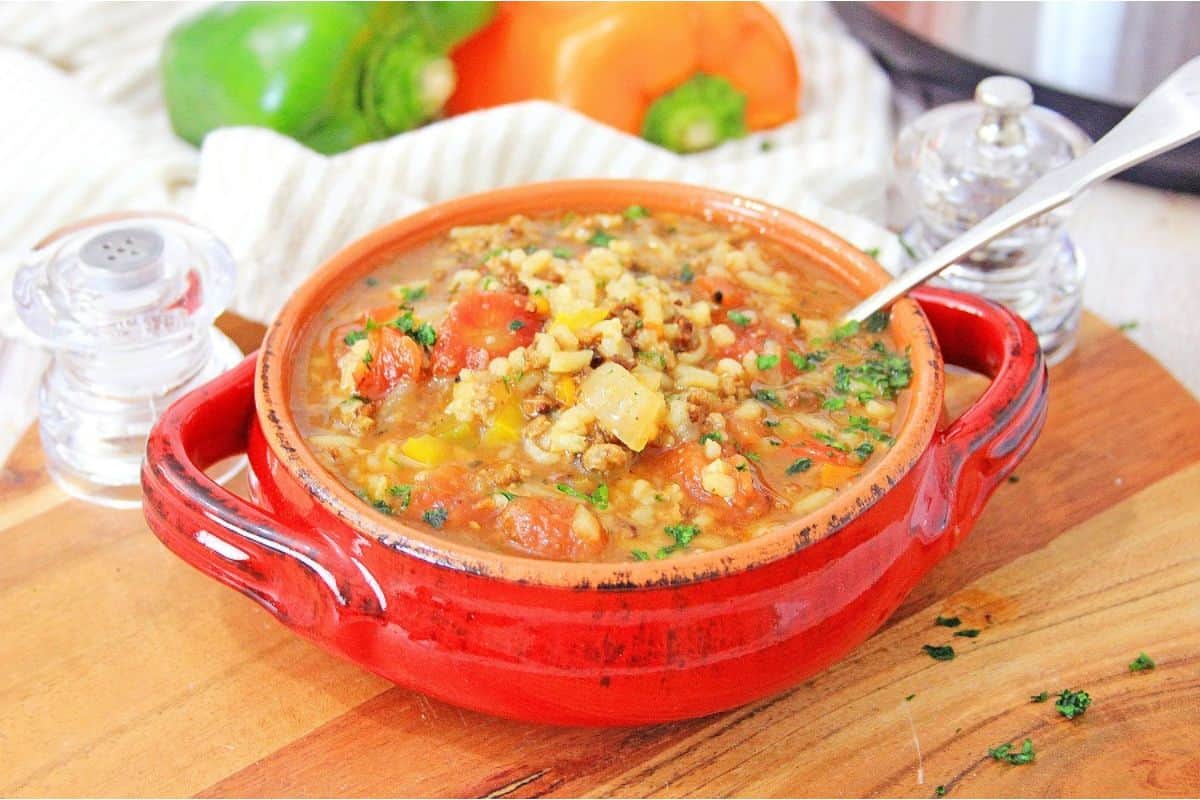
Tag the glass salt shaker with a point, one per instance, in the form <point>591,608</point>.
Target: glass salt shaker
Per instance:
<point>126,303</point>
<point>958,163</point>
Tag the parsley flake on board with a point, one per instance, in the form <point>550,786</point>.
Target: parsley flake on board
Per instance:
<point>1142,663</point>
<point>1071,704</point>
<point>939,652</point>
<point>940,791</point>
<point>1039,698</point>
<point>435,517</point>
<point>601,239</point>
<point>1005,752</point>
<point>947,622</point>
<point>967,633</point>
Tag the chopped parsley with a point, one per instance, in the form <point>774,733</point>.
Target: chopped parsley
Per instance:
<point>864,450</point>
<point>1071,704</point>
<point>967,633</point>
<point>834,403</point>
<point>359,398</point>
<point>435,517</point>
<point>354,336</point>
<point>766,396</point>
<point>651,355</point>
<point>873,252</point>
<point>1014,478</point>
<point>1142,663</point>
<point>878,322</point>
<point>749,456</point>
<point>1005,752</point>
<point>636,212</point>
<point>562,252</point>
<point>489,255</point>
<point>947,622</point>
<point>601,239</point>
<point>711,437</point>
<point>598,498</point>
<point>939,652</point>
<point>796,319</point>
<point>908,249</point>
<point>740,317</point>
<point>686,275</point>
<point>910,697</point>
<point>845,330</point>
<point>411,295</point>
<point>883,376</point>
<point>639,555</point>
<point>516,325</point>
<point>425,335</point>
<point>1128,326</point>
<point>371,281</point>
<point>682,534</point>
<point>829,441</point>
<point>404,492</point>
<point>766,146</point>
<point>367,358</point>
<point>382,507</point>
<point>799,465</point>
<point>1039,698</point>
<point>506,495</point>
<point>766,361</point>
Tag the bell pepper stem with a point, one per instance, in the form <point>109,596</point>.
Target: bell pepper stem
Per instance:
<point>406,83</point>
<point>700,113</point>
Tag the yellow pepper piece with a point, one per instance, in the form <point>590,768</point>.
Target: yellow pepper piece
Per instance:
<point>427,449</point>
<point>541,304</point>
<point>506,426</point>
<point>832,475</point>
<point>454,429</point>
<point>580,319</point>
<point>565,390</point>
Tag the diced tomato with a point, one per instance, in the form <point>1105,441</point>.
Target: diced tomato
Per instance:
<point>452,489</point>
<point>684,464</point>
<point>394,357</point>
<point>749,340</point>
<point>721,292</point>
<point>542,526</point>
<point>480,326</point>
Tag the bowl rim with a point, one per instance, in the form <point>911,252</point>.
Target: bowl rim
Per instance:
<point>850,265</point>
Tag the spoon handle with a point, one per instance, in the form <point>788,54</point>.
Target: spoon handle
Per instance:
<point>1167,118</point>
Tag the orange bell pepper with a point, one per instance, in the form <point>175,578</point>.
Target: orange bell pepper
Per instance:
<point>620,62</point>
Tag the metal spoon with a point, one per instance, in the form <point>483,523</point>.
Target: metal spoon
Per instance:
<point>1167,118</point>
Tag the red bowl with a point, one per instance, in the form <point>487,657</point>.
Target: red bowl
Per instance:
<point>602,644</point>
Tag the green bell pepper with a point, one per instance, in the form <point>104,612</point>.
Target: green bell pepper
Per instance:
<point>330,75</point>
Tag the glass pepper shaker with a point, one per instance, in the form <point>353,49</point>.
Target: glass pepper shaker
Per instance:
<point>958,163</point>
<point>126,303</point>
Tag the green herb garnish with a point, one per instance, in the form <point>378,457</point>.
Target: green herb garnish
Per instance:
<point>799,465</point>
<point>766,396</point>
<point>1142,663</point>
<point>371,281</point>
<point>354,337</point>
<point>740,317</point>
<point>940,791</point>
<point>598,498</point>
<point>947,622</point>
<point>516,325</point>
<point>600,239</point>
<point>639,555</point>
<point>412,295</point>
<point>382,507</point>
<point>711,437</point>
<point>682,534</point>
<point>686,275</point>
<point>939,652</point>
<point>1071,704</point>
<point>864,450</point>
<point>873,252</point>
<point>834,403</point>
<point>878,322</point>
<point>636,212</point>
<point>435,517</point>
<point>562,252</point>
<point>829,441</point>
<point>845,330</point>
<point>404,492</point>
<point>766,361</point>
<point>367,358</point>
<point>426,335</point>
<point>1005,752</point>
<point>1128,326</point>
<point>509,496</point>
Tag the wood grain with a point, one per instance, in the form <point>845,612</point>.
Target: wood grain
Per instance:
<point>125,672</point>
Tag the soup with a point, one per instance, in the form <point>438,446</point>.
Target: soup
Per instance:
<point>598,387</point>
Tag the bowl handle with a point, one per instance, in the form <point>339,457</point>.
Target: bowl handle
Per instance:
<point>981,448</point>
<point>300,580</point>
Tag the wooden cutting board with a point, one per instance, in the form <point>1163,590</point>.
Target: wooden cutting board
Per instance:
<point>123,671</point>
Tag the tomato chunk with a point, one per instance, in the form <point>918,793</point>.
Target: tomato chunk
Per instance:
<point>685,464</point>
<point>448,495</point>
<point>721,292</point>
<point>480,326</point>
<point>394,357</point>
<point>542,526</point>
